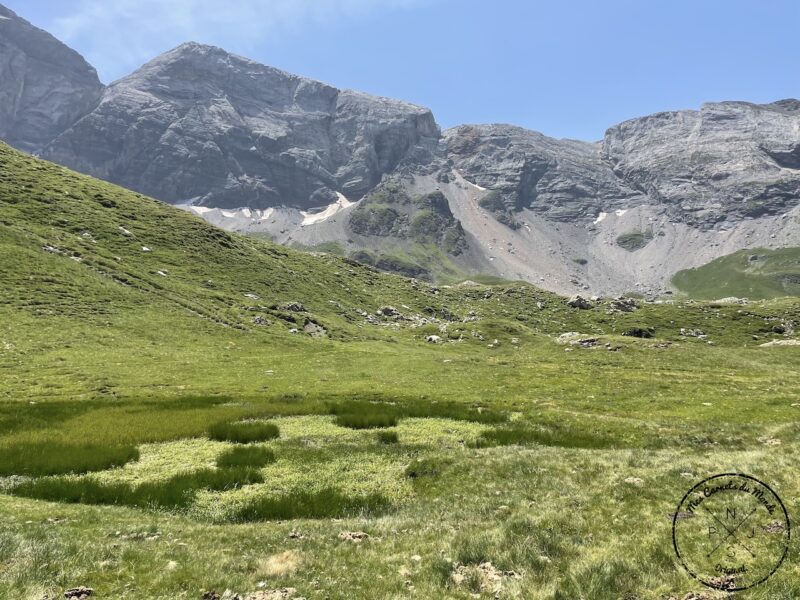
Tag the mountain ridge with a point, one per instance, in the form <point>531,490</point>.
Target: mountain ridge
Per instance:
<point>255,149</point>
<point>46,84</point>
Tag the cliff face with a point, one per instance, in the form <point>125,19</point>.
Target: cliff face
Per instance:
<point>44,86</point>
<point>203,125</point>
<point>559,179</point>
<point>725,162</point>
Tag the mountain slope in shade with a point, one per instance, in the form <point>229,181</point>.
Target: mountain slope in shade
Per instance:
<point>44,85</point>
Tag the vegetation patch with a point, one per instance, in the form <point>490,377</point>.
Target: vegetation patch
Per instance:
<point>420,409</point>
<point>243,432</point>
<point>426,467</point>
<point>495,203</point>
<point>56,458</point>
<point>401,265</point>
<point>324,504</point>
<point>634,240</point>
<point>566,438</point>
<point>366,420</point>
<point>387,437</point>
<point>245,456</point>
<point>754,274</point>
<point>176,492</point>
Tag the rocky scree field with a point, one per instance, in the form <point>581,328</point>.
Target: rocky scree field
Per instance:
<point>188,413</point>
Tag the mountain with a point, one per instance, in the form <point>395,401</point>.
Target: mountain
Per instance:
<point>198,124</point>
<point>175,394</point>
<point>254,149</point>
<point>44,85</point>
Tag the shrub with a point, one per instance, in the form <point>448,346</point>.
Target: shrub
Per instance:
<point>243,433</point>
<point>245,456</point>
<point>328,503</point>
<point>54,458</point>
<point>388,437</point>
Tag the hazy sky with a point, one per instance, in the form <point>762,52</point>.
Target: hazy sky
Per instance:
<point>566,68</point>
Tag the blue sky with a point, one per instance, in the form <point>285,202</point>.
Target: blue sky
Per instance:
<point>566,68</point>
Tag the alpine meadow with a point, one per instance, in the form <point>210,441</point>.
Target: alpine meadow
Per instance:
<point>265,339</point>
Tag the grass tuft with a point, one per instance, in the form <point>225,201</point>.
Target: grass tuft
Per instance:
<point>388,437</point>
<point>176,492</point>
<point>40,459</point>
<point>426,467</point>
<point>243,433</point>
<point>369,420</point>
<point>245,456</point>
<point>564,438</point>
<point>420,409</point>
<point>325,504</point>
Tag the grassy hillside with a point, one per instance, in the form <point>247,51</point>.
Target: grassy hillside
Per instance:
<point>173,421</point>
<point>757,274</point>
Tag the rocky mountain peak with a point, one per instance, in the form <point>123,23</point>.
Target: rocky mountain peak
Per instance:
<point>789,105</point>
<point>44,85</point>
<point>198,124</point>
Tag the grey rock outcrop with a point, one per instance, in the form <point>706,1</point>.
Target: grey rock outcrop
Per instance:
<point>727,161</point>
<point>199,124</point>
<point>560,179</point>
<point>44,85</point>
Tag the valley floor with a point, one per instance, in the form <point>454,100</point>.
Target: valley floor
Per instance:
<point>579,508</point>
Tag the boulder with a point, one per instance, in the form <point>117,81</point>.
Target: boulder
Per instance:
<point>624,304</point>
<point>640,332</point>
<point>580,302</point>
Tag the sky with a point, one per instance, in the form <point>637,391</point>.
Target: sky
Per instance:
<point>569,68</point>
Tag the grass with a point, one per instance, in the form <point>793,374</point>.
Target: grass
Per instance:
<point>415,408</point>
<point>328,503</point>
<point>366,420</point>
<point>564,438</point>
<point>387,437</point>
<point>634,240</point>
<point>247,456</point>
<point>243,433</point>
<point>755,274</point>
<point>177,492</point>
<point>562,466</point>
<point>37,459</point>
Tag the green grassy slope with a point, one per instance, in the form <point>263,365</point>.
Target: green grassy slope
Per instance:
<point>556,461</point>
<point>756,274</point>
